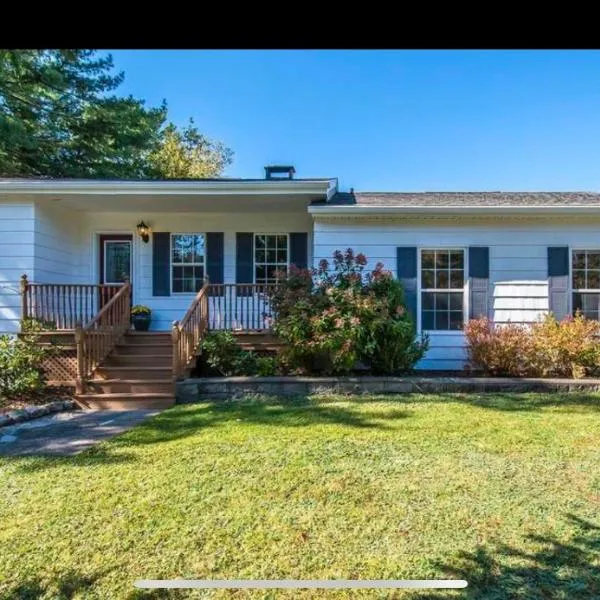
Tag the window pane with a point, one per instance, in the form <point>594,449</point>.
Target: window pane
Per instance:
<point>441,302</point>
<point>441,259</point>
<point>579,260</point>
<point>593,260</point>
<point>456,279</point>
<point>579,280</point>
<point>456,320</point>
<point>456,302</point>
<point>260,241</point>
<point>427,301</point>
<point>282,256</point>
<point>427,260</point>
<point>427,320</point>
<point>261,256</point>
<point>199,272</point>
<point>198,253</point>
<point>260,272</point>
<point>271,269</point>
<point>178,272</point>
<point>441,320</point>
<point>593,280</point>
<point>271,256</point>
<point>456,260</point>
<point>282,241</point>
<point>441,279</point>
<point>589,304</point>
<point>427,279</point>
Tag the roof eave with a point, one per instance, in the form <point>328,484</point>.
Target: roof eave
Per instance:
<point>449,210</point>
<point>267,187</point>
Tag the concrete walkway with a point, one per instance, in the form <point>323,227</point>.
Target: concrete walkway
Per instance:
<point>67,433</point>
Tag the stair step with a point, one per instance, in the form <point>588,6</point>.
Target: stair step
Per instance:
<point>125,401</point>
<point>137,372</point>
<point>144,349</point>
<point>141,360</point>
<point>147,334</point>
<point>135,341</point>
<point>135,386</point>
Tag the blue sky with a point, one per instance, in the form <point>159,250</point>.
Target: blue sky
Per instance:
<point>390,120</point>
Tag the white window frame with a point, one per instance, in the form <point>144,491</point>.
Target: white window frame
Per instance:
<point>420,289</point>
<point>573,290</point>
<point>254,264</point>
<point>171,264</point>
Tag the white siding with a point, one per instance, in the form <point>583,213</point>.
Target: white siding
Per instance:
<point>518,261</point>
<point>17,223</point>
<point>58,242</point>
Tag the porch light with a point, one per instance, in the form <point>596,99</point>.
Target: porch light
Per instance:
<point>143,231</point>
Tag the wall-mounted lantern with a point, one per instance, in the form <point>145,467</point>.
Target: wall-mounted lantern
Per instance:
<point>143,231</point>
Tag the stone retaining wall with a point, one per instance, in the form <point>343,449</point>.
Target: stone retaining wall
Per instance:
<point>18,415</point>
<point>194,390</point>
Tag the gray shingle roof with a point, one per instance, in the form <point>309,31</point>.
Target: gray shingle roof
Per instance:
<point>433,199</point>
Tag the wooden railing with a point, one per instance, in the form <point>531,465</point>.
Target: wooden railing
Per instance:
<point>188,332</point>
<point>240,306</point>
<point>64,305</point>
<point>99,336</point>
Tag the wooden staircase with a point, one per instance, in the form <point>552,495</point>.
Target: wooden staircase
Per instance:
<point>138,373</point>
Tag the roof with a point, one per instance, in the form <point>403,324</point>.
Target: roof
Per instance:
<point>462,199</point>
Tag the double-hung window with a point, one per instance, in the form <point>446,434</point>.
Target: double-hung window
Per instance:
<point>585,282</point>
<point>270,255</point>
<point>187,262</point>
<point>442,289</point>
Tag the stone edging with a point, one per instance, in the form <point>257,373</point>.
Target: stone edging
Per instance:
<point>192,390</point>
<point>33,412</point>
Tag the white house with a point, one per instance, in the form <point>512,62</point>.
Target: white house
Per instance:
<point>512,256</point>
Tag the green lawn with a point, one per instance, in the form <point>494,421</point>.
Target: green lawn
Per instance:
<point>503,490</point>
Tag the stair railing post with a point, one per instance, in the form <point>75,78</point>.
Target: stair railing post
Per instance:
<point>80,358</point>
<point>175,336</point>
<point>24,307</point>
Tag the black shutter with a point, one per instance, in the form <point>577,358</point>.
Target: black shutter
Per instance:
<point>299,250</point>
<point>479,279</point>
<point>244,261</point>
<point>215,251</point>
<point>558,281</point>
<point>406,269</point>
<point>161,265</point>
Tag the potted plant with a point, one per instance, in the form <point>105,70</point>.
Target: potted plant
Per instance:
<point>141,317</point>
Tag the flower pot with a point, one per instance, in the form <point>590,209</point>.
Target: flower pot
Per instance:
<point>141,322</point>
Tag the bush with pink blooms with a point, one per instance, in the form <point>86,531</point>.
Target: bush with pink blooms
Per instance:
<point>332,319</point>
<point>549,348</point>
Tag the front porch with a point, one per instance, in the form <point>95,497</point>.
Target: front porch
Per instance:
<point>112,366</point>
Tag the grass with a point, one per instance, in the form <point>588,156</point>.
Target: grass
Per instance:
<point>503,490</point>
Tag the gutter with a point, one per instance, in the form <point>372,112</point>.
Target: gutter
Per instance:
<point>450,210</point>
<point>316,186</point>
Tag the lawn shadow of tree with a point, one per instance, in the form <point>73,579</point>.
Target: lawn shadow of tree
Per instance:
<point>554,570</point>
<point>188,420</point>
<point>67,586</point>
<point>294,412</point>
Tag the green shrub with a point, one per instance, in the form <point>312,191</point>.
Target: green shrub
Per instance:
<point>329,320</point>
<point>550,348</point>
<point>33,325</point>
<point>224,354</point>
<point>21,373</point>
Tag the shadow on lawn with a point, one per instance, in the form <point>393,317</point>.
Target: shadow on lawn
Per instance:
<point>556,569</point>
<point>298,412</point>
<point>515,402</point>
<point>67,586</point>
<point>188,420</point>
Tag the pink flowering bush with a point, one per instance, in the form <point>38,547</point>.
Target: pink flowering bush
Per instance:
<point>332,318</point>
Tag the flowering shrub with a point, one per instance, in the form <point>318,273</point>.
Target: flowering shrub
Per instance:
<point>500,349</point>
<point>550,348</point>
<point>330,319</point>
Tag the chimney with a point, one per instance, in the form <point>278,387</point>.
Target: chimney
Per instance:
<point>279,172</point>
